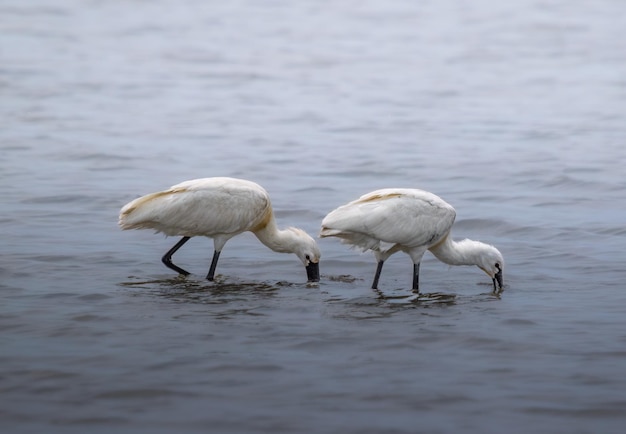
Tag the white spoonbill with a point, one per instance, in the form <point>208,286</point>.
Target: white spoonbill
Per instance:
<point>412,221</point>
<point>218,208</point>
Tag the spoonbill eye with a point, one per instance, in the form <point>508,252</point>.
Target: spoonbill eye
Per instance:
<point>498,265</point>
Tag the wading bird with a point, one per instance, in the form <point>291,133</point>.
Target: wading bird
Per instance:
<point>218,208</point>
<point>411,221</point>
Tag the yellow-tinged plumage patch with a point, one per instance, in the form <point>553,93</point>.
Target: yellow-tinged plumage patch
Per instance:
<point>265,220</point>
<point>375,197</point>
<point>147,198</point>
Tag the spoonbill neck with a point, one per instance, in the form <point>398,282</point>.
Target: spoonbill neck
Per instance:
<point>279,240</point>
<point>464,252</point>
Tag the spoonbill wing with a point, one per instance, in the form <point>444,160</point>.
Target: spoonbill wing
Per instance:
<point>195,209</point>
<point>395,216</point>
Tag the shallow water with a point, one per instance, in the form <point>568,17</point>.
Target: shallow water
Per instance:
<point>513,113</point>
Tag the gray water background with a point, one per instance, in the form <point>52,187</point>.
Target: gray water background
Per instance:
<point>514,112</point>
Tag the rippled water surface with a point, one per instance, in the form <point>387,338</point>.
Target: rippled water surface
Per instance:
<point>514,112</point>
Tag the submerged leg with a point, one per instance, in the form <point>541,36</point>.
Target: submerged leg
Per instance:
<point>216,256</point>
<point>379,268</point>
<point>416,278</point>
<point>167,258</point>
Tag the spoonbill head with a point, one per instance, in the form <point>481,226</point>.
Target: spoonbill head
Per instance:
<point>492,263</point>
<point>219,208</point>
<point>306,249</point>
<point>411,221</point>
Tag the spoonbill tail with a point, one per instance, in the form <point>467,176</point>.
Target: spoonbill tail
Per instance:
<point>218,208</point>
<point>412,221</point>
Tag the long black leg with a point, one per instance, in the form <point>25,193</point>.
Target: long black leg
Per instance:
<point>167,258</point>
<point>416,278</point>
<point>216,256</point>
<point>379,268</point>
